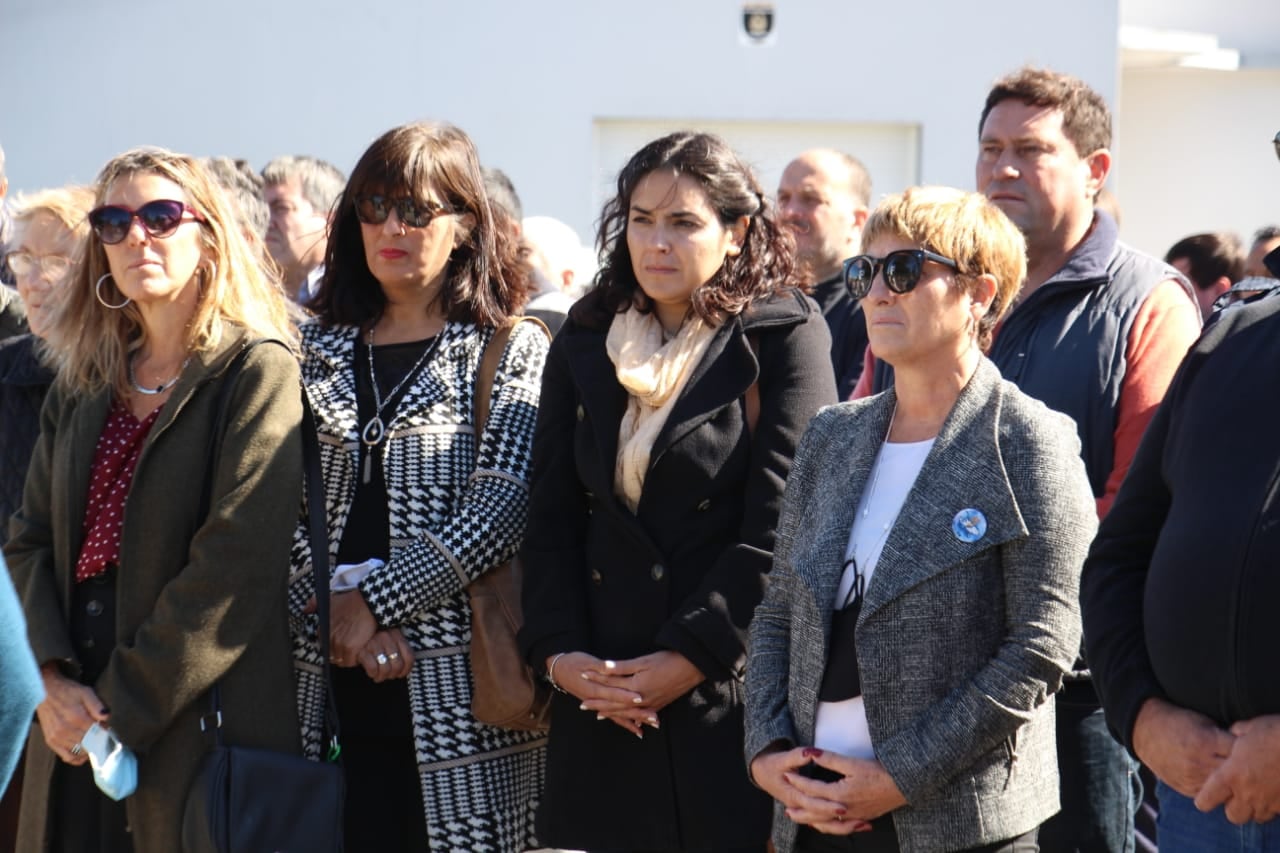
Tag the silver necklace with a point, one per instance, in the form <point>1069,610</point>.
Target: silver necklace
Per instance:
<point>375,430</point>
<point>159,389</point>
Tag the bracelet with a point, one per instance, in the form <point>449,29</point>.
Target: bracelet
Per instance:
<point>551,673</point>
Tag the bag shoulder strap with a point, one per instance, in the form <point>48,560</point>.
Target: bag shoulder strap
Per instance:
<point>317,532</point>
<point>488,370</point>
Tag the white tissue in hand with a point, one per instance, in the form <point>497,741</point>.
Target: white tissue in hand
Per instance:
<point>115,767</point>
<point>348,575</point>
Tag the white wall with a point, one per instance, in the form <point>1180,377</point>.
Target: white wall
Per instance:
<point>82,79</point>
<point>1197,155</point>
<point>1251,27</point>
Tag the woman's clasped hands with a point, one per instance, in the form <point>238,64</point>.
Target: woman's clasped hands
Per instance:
<point>356,640</point>
<point>864,790</point>
<point>628,693</point>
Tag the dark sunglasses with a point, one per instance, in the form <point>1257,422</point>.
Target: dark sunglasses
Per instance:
<point>902,270</point>
<point>159,218</point>
<point>374,210</point>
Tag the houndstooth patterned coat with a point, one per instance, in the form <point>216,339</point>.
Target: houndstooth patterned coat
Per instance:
<point>451,519</point>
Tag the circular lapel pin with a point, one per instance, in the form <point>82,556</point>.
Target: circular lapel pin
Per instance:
<point>969,525</point>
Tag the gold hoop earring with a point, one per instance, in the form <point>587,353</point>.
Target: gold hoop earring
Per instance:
<point>97,291</point>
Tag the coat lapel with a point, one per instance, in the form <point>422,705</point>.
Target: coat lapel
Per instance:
<point>603,402</point>
<point>330,380</point>
<point>963,472</point>
<point>823,536</point>
<point>87,428</point>
<point>724,374</point>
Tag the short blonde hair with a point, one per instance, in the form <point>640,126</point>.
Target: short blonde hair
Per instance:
<point>965,227</point>
<point>69,205</point>
<point>90,344</point>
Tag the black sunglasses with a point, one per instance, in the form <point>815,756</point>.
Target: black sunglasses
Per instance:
<point>159,218</point>
<point>374,210</point>
<point>902,270</point>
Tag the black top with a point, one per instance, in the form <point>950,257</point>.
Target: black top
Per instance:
<point>367,708</point>
<point>848,332</point>
<point>1179,592</point>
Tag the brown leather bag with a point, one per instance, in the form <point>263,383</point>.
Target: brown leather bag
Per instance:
<point>506,692</point>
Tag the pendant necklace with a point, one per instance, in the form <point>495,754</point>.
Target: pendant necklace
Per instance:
<point>159,389</point>
<point>375,430</point>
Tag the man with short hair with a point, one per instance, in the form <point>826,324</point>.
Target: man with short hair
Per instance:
<point>300,192</point>
<point>1265,241</point>
<point>822,198</point>
<point>1212,262</point>
<point>1098,331</point>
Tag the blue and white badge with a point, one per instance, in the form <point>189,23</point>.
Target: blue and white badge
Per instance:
<point>969,525</point>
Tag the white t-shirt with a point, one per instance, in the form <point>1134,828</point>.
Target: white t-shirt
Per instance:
<point>842,726</point>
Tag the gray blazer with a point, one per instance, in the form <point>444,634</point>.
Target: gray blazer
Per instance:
<point>961,645</point>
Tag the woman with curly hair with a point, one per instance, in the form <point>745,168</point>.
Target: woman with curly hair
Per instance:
<point>671,405</point>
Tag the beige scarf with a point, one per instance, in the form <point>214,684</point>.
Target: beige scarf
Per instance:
<point>653,374</point>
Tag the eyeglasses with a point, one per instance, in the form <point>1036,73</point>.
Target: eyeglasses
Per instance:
<point>374,210</point>
<point>902,270</point>
<point>159,218</point>
<point>54,267</point>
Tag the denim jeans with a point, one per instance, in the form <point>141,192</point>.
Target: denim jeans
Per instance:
<point>1182,828</point>
<point>1099,784</point>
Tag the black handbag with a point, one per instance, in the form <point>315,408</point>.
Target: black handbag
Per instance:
<point>248,800</point>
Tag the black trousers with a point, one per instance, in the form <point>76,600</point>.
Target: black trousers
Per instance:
<point>81,818</point>
<point>383,811</point>
<point>883,839</point>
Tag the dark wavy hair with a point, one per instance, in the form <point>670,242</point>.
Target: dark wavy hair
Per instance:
<point>766,264</point>
<point>484,282</point>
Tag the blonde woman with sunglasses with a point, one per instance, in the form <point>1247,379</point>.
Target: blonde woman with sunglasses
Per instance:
<point>922,609</point>
<point>137,605</point>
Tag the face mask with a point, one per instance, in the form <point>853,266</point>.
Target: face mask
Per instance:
<point>115,767</point>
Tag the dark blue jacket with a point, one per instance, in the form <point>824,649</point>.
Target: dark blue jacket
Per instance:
<point>24,381</point>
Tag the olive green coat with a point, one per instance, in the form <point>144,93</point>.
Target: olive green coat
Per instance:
<point>191,609</point>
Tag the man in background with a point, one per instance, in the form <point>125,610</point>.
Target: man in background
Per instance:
<point>300,192</point>
<point>1212,262</point>
<point>822,199</point>
<point>1097,332</point>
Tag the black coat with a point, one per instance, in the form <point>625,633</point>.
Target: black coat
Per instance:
<point>685,572</point>
<point>24,381</point>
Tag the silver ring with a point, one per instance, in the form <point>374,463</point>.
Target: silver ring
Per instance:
<point>76,750</point>
<point>393,656</point>
<point>381,659</point>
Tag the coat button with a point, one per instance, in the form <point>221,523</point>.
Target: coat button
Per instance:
<point>93,608</point>
<point>704,505</point>
<point>581,412</point>
<point>596,577</point>
<point>657,572</point>
<point>87,643</point>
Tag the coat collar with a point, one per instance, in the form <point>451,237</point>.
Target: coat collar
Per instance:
<point>329,353</point>
<point>727,369</point>
<point>963,471</point>
<point>205,366</point>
